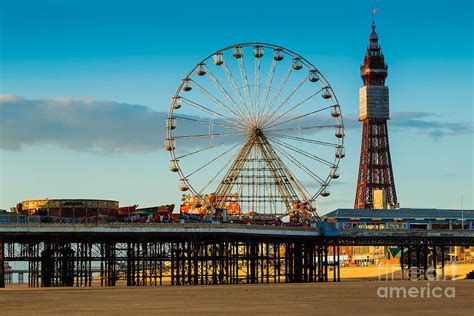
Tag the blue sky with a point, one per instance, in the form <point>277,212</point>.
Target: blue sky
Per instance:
<point>133,54</point>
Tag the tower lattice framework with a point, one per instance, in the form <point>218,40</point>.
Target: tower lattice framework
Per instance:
<point>375,182</point>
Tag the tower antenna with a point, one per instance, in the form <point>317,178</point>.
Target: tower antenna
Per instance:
<point>374,10</point>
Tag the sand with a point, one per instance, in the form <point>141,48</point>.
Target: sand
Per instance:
<point>358,293</point>
<point>345,298</point>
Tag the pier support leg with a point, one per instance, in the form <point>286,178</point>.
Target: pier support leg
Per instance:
<point>443,275</point>
<point>425,261</point>
<point>402,263</point>
<point>2,264</point>
<point>110,264</point>
<point>418,261</point>
<point>253,261</point>
<point>47,265</point>
<point>321,269</point>
<point>298,263</point>
<point>326,263</point>
<point>132,264</point>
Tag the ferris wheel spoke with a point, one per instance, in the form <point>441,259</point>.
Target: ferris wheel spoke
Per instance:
<point>206,123</point>
<point>278,92</point>
<point>269,118</point>
<point>298,129</point>
<point>212,160</point>
<point>305,195</point>
<point>245,86</point>
<point>209,111</point>
<point>208,135</point>
<point>299,164</point>
<point>299,117</point>
<point>269,124</point>
<point>303,152</point>
<point>224,92</point>
<point>268,84</point>
<point>229,161</point>
<point>215,100</point>
<point>234,85</point>
<point>305,170</point>
<point>203,149</point>
<point>302,139</point>
<point>256,89</point>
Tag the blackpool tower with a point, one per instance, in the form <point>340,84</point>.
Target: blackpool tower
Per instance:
<point>375,184</point>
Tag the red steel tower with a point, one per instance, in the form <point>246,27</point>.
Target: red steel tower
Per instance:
<point>375,184</point>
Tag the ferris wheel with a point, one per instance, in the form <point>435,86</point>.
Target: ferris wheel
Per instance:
<point>256,125</point>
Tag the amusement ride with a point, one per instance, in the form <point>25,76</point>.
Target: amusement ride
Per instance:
<point>254,129</point>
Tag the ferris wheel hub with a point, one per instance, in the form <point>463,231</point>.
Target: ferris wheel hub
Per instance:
<point>257,131</point>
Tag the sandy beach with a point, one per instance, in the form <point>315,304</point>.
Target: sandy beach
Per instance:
<point>343,298</point>
<point>360,292</point>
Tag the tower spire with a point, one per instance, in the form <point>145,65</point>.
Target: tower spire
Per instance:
<point>374,70</point>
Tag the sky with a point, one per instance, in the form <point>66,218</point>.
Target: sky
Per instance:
<point>85,86</point>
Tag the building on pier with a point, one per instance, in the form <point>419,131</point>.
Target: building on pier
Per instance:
<point>400,220</point>
<point>68,208</point>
